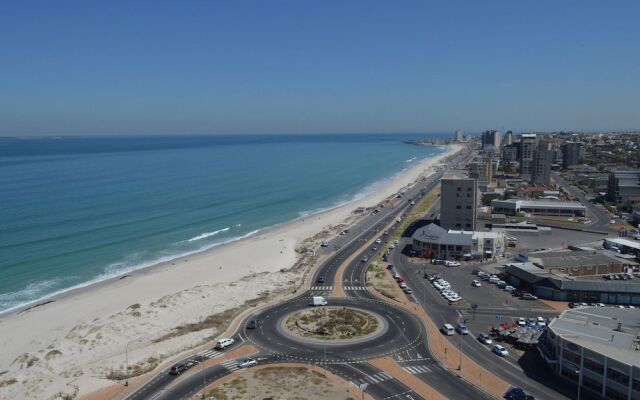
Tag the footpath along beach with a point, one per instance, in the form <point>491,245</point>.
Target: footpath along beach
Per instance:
<point>77,342</point>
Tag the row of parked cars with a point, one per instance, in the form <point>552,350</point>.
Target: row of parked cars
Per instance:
<point>446,263</point>
<point>578,305</point>
<point>443,287</point>
<point>401,282</point>
<point>618,277</point>
<point>493,279</point>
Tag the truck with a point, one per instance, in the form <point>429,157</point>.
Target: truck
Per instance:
<point>318,301</point>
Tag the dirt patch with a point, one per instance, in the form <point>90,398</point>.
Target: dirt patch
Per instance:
<point>284,382</point>
<point>331,323</point>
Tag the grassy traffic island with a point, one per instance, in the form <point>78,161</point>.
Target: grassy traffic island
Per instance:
<point>332,323</point>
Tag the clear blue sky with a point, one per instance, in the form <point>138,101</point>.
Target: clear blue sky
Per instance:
<point>143,67</point>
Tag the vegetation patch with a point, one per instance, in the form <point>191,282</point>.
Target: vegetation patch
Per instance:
<point>280,383</point>
<point>330,323</point>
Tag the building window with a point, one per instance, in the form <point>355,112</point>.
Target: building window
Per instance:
<point>594,366</point>
<point>613,394</point>
<point>617,376</point>
<point>458,207</point>
<point>468,194</point>
<point>570,373</point>
<point>571,356</point>
<point>636,385</point>
<point>592,384</point>
<point>459,189</point>
<point>468,207</point>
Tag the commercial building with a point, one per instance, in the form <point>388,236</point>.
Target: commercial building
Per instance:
<point>459,200</point>
<point>542,158</point>
<point>624,189</point>
<point>539,207</point>
<point>491,138</point>
<point>433,241</point>
<point>579,284</point>
<point>528,143</point>
<point>624,246</point>
<point>570,154</point>
<point>597,348</point>
<point>458,136</point>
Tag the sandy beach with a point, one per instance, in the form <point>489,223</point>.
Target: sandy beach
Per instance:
<point>76,343</point>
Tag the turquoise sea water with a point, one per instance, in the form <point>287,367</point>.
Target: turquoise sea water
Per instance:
<point>79,210</point>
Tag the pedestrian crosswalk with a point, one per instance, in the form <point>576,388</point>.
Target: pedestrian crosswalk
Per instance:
<point>209,354</point>
<point>322,288</point>
<point>369,379</point>
<point>231,365</point>
<point>417,369</point>
<point>355,288</point>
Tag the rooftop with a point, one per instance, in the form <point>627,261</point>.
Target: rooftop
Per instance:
<point>625,242</point>
<point>540,203</point>
<point>596,328</point>
<point>571,259</point>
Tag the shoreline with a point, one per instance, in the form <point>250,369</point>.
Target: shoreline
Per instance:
<point>369,190</point>
<point>80,335</point>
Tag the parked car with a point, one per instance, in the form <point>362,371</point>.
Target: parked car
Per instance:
<point>249,362</point>
<point>499,350</point>
<point>484,338</point>
<point>509,289</point>
<point>364,259</point>
<point>403,285</point>
<point>529,296</point>
<point>408,290</point>
<point>476,283</point>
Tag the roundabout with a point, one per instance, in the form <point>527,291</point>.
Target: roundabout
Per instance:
<point>294,330</point>
<point>333,325</point>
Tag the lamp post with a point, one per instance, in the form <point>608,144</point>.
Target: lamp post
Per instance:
<point>126,361</point>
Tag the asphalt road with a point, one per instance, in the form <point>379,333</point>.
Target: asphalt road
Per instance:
<point>599,218</point>
<point>403,337</point>
<point>527,370</point>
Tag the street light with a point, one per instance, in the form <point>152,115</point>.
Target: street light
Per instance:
<point>126,360</point>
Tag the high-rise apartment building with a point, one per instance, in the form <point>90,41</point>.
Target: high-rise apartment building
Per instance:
<point>459,200</point>
<point>508,138</point>
<point>542,158</point>
<point>528,143</point>
<point>458,136</point>
<point>570,154</point>
<point>491,138</point>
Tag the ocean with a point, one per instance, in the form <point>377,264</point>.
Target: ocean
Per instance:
<point>78,210</point>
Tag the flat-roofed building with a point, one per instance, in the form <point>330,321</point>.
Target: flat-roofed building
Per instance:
<point>433,241</point>
<point>597,348</point>
<point>624,246</point>
<point>624,189</point>
<point>528,143</point>
<point>539,207</point>
<point>577,276</point>
<point>459,199</point>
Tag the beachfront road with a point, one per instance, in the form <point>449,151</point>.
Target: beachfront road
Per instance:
<point>403,337</point>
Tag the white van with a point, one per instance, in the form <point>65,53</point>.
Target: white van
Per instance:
<point>448,330</point>
<point>222,343</point>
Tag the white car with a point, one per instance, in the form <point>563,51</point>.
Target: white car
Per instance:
<point>391,247</point>
<point>396,242</point>
<point>509,289</point>
<point>249,362</point>
<point>476,283</point>
<point>403,285</point>
<point>378,241</point>
<point>541,321</point>
<point>499,350</point>
<point>223,343</point>
<point>522,321</point>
